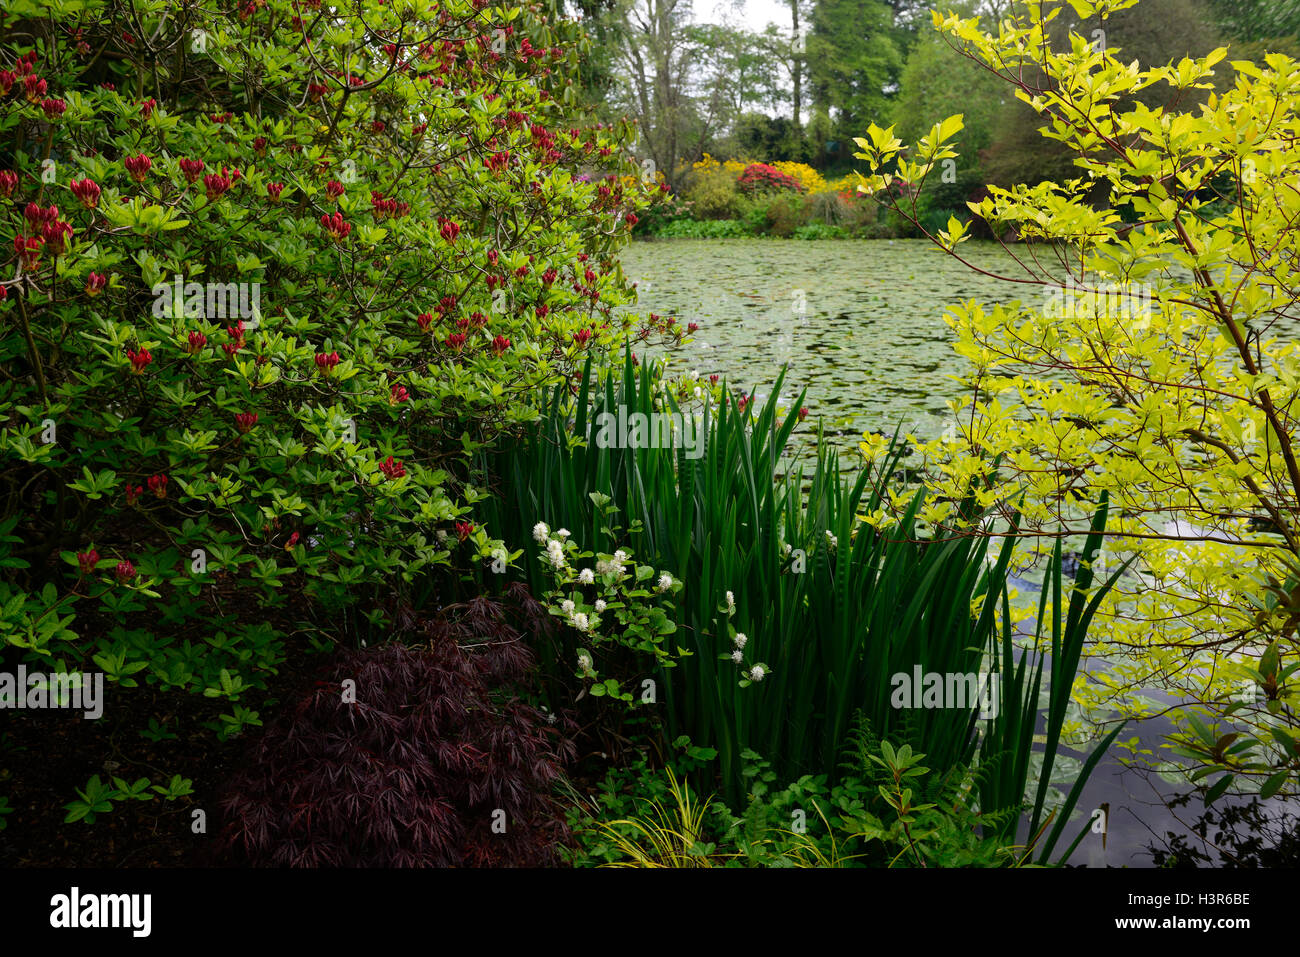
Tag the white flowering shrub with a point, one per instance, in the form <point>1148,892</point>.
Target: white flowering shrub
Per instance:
<point>619,614</point>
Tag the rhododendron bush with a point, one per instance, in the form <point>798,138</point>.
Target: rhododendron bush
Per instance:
<point>273,271</point>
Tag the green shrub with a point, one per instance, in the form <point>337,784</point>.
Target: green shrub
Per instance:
<point>713,194</point>
<point>417,261</point>
<point>704,229</point>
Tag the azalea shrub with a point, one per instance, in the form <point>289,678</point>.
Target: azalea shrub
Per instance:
<point>274,272</point>
<point>761,178</point>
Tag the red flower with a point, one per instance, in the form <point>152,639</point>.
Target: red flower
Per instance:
<point>632,220</point>
<point>548,277</point>
<point>464,530</point>
<point>139,360</point>
<point>125,572</point>
<point>273,190</point>
<point>393,470</point>
<point>336,226</point>
<point>88,561</point>
<point>423,320</point>
<point>35,89</point>
<point>293,540</point>
<point>53,108</point>
<point>493,255</point>
<point>137,166</point>
<point>133,492</point>
<point>191,169</point>
<point>582,336</point>
<point>803,413</point>
<point>215,184</point>
<point>334,188</point>
<point>95,284</point>
<point>259,145</point>
<point>147,107</point>
<point>326,361</point>
<point>397,395</point>
<point>196,342</point>
<point>713,379</point>
<point>54,235</point>
<point>158,485</point>
<point>448,229</point>
<point>456,341</point>
<point>500,344</point>
<point>86,190</point>
<point>244,421</point>
<point>691,327</point>
<point>8,182</point>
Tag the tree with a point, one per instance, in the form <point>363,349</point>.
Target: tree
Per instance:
<point>1150,359</point>
<point>1152,33</point>
<point>853,61</point>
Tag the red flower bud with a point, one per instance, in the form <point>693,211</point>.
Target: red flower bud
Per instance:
<point>500,344</point>
<point>8,182</point>
<point>397,395</point>
<point>88,561</point>
<point>244,421</point>
<point>803,413</point>
<point>138,166</point>
<point>125,572</point>
<point>464,530</point>
<point>86,190</point>
<point>53,109</point>
<point>139,360</point>
<point>393,470</point>
<point>273,190</point>
<point>293,540</point>
<point>95,284</point>
<point>158,485</point>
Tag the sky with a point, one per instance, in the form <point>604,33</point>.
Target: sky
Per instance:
<point>754,14</point>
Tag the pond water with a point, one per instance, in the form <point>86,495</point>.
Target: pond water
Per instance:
<point>860,325</point>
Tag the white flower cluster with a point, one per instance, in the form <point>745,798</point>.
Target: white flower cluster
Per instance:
<point>584,664</point>
<point>731,603</point>
<point>831,540</point>
<point>586,576</point>
<point>541,533</point>
<point>665,582</point>
<point>555,552</point>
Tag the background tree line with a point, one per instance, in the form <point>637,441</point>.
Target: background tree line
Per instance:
<point>801,90</point>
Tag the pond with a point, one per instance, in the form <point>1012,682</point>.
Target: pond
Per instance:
<point>860,324</point>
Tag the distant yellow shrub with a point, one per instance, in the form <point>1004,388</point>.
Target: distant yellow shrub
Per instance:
<point>811,180</point>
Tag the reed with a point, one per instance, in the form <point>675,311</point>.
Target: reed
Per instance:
<point>836,607</point>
